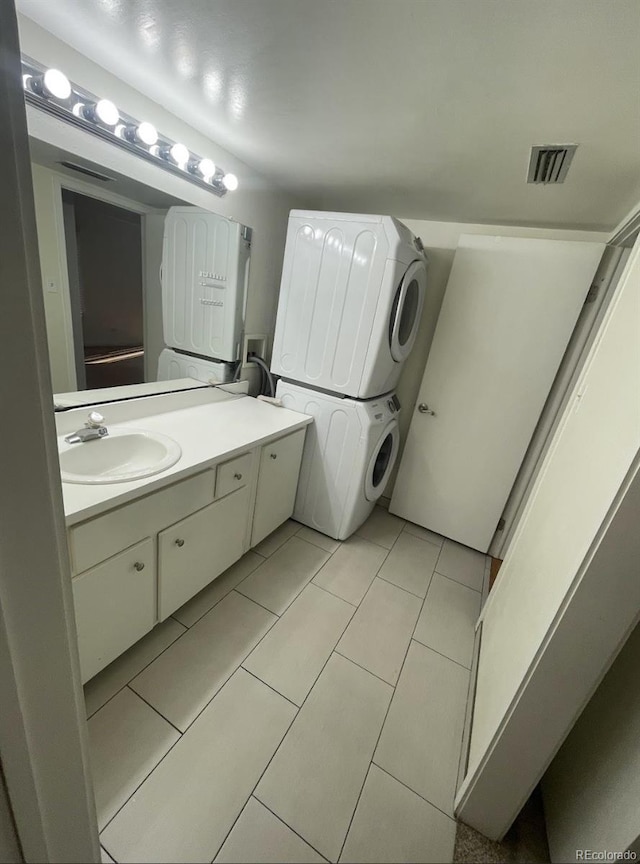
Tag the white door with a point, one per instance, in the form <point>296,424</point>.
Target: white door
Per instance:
<point>507,316</point>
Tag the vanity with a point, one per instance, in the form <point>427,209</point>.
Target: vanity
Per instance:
<point>142,548</point>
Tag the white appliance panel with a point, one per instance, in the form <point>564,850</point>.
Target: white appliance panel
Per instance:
<point>340,276</point>
<point>204,282</point>
<point>172,366</point>
<point>346,463</point>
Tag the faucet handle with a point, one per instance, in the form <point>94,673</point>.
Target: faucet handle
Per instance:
<point>95,420</point>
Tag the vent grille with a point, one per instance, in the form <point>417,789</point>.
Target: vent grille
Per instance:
<point>549,163</point>
<point>88,171</point>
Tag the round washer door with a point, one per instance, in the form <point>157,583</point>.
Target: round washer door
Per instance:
<point>382,461</point>
<point>406,310</point>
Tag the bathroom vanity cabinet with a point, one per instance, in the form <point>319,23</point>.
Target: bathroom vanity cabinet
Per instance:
<point>136,564</point>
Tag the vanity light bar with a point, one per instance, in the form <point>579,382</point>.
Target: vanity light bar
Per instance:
<point>51,91</point>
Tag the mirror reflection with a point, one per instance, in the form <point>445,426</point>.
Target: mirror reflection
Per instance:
<point>143,292</point>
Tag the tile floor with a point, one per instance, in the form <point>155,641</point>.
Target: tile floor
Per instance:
<point>308,705</point>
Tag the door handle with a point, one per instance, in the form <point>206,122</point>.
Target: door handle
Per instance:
<point>423,408</point>
<point>139,566</point>
<point>179,542</point>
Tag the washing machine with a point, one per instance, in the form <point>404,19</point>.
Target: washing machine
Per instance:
<point>351,297</point>
<point>349,453</point>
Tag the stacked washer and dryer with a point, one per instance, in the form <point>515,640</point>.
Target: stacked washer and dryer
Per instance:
<point>351,298</point>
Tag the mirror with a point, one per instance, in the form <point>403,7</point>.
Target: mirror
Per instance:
<point>100,238</point>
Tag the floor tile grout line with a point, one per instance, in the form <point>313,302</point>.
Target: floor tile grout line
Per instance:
<point>456,580</point>
<point>424,539</point>
<point>226,680</point>
<point>324,664</point>
<point>144,780</point>
<point>280,819</point>
<point>435,651</point>
<point>220,599</point>
<point>330,551</point>
<point>375,747</point>
<point>426,800</point>
<point>266,684</point>
<point>311,578</point>
<point>253,792</point>
<point>413,593</point>
<point>262,773</point>
<point>333,594</point>
<point>153,708</point>
<point>364,668</point>
<point>255,602</point>
<point>139,672</point>
<point>464,584</point>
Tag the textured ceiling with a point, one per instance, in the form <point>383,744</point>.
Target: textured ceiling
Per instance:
<point>422,108</point>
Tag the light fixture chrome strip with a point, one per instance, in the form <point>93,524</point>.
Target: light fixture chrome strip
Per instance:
<point>50,90</point>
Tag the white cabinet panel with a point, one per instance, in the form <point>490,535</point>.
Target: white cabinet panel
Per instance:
<point>115,605</point>
<point>233,474</point>
<point>277,484</point>
<point>99,538</point>
<point>196,550</point>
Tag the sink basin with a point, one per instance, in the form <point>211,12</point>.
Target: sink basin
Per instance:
<point>125,454</point>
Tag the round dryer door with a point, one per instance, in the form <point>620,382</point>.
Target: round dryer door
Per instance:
<point>382,461</point>
<point>406,311</point>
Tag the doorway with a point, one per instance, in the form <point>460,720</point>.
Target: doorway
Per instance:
<point>104,259</point>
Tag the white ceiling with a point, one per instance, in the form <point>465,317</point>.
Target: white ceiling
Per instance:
<point>421,108</point>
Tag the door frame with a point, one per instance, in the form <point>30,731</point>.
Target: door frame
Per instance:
<point>43,732</point>
<point>62,182</point>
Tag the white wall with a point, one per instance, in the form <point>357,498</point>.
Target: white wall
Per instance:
<point>441,240</point>
<point>257,203</point>
<point>591,790</point>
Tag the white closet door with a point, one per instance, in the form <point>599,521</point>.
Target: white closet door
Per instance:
<point>551,626</point>
<point>509,310</point>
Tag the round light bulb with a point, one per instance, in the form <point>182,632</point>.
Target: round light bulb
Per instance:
<point>26,81</point>
<point>207,168</point>
<point>230,182</point>
<point>107,112</point>
<point>56,83</point>
<point>147,134</point>
<point>179,153</point>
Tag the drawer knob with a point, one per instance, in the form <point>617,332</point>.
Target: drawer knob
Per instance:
<point>237,476</point>
<point>274,455</point>
<point>139,566</point>
<point>180,542</point>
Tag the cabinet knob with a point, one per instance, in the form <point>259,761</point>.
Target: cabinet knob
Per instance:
<point>180,542</point>
<point>274,455</point>
<point>139,566</point>
<point>237,476</point>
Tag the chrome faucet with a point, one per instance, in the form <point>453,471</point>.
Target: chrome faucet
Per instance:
<point>94,428</point>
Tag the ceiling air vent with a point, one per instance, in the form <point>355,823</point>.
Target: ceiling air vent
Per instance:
<point>549,163</point>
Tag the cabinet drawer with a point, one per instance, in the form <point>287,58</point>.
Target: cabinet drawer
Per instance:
<point>277,484</point>
<point>197,550</point>
<point>100,538</point>
<point>233,474</point>
<point>115,605</point>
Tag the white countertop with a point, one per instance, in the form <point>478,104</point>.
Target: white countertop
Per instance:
<point>209,426</point>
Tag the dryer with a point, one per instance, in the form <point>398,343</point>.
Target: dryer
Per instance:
<point>349,453</point>
<point>350,302</point>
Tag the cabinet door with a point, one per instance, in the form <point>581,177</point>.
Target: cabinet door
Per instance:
<point>196,550</point>
<point>277,484</point>
<point>115,605</point>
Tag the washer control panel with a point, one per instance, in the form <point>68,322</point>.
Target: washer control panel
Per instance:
<point>383,409</point>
